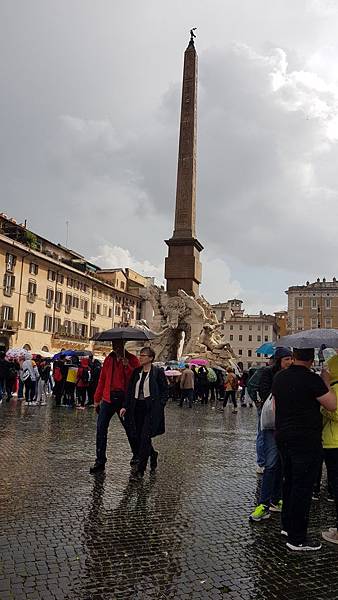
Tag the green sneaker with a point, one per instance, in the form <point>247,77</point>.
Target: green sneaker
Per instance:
<point>260,513</point>
<point>276,506</point>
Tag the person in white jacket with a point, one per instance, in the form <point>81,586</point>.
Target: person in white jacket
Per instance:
<point>30,375</point>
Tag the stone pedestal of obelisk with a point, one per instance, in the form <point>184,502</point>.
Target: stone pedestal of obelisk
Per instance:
<point>183,269</point>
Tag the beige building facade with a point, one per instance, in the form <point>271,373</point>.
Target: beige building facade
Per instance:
<point>245,333</point>
<point>52,298</point>
<point>313,305</point>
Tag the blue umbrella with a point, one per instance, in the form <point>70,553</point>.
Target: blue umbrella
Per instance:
<point>72,353</point>
<point>266,348</point>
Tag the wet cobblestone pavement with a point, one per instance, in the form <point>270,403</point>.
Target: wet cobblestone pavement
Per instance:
<point>182,534</point>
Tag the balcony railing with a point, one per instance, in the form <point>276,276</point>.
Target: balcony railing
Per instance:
<point>9,325</point>
<point>66,335</point>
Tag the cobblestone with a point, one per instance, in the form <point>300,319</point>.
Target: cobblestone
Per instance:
<point>182,534</point>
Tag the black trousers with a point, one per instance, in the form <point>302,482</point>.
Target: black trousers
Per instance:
<point>58,391</point>
<point>187,394</point>
<point>230,394</point>
<point>204,393</point>
<point>29,390</point>
<point>82,392</point>
<point>143,440</point>
<point>107,411</point>
<point>69,391</point>
<point>331,461</point>
<point>300,467</point>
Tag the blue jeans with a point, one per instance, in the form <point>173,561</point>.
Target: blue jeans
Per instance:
<point>271,491</point>
<point>260,441</point>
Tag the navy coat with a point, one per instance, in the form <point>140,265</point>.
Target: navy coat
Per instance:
<point>158,387</point>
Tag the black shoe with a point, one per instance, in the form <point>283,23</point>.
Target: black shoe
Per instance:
<point>315,495</point>
<point>306,547</point>
<point>153,461</point>
<point>138,475</point>
<point>97,468</point>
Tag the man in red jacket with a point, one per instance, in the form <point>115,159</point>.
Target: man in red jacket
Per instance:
<point>109,396</point>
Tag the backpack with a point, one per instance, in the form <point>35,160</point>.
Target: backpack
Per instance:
<point>45,373</point>
<point>253,386</point>
<point>235,384</point>
<point>212,377</point>
<point>85,375</point>
<point>57,375</point>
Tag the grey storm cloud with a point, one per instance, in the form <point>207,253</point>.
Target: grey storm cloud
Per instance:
<point>89,117</point>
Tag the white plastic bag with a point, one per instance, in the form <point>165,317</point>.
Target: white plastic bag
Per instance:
<point>268,413</point>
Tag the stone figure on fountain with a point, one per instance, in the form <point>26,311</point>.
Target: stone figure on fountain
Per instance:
<point>187,324</point>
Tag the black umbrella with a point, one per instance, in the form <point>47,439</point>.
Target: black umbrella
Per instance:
<point>311,338</point>
<point>124,333</point>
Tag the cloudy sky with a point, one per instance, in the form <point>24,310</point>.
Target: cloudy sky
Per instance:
<point>89,114</point>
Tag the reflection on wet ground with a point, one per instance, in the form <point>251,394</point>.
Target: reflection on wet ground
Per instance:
<point>181,534</point>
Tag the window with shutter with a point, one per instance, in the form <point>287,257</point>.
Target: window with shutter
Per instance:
<point>9,284</point>
<point>10,262</point>
<point>30,320</point>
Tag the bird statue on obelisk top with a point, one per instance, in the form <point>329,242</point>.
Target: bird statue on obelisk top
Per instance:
<point>183,269</point>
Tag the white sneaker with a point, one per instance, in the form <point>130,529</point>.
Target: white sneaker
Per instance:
<point>260,470</point>
<point>34,403</point>
<point>43,403</point>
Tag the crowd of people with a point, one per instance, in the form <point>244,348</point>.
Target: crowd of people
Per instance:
<point>296,408</point>
<point>208,385</point>
<point>297,431</point>
<point>33,378</point>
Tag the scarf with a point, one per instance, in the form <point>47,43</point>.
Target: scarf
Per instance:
<point>146,388</point>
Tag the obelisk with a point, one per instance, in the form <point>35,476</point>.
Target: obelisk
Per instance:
<point>183,269</point>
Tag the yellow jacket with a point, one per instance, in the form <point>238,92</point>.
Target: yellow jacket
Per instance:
<point>330,419</point>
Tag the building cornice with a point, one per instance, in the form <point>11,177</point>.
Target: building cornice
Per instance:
<point>26,250</point>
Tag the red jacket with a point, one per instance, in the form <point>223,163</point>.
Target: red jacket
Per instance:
<point>122,376</point>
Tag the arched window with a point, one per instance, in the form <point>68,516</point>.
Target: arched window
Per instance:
<point>27,347</point>
<point>44,349</point>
